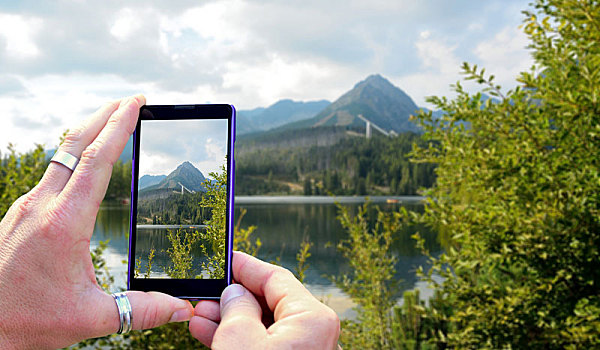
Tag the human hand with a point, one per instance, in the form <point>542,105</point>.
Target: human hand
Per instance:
<point>269,309</point>
<point>49,297</point>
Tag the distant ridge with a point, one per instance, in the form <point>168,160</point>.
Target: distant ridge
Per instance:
<point>149,180</point>
<point>376,99</point>
<point>185,174</point>
<point>280,113</point>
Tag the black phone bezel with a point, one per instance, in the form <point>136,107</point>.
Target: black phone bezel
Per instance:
<point>193,289</point>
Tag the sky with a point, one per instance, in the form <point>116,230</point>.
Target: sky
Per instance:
<point>60,60</point>
<point>164,145</point>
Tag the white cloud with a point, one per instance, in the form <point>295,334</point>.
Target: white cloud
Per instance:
<point>440,67</point>
<point>19,33</point>
<point>66,58</point>
<point>155,164</point>
<point>276,78</point>
<point>505,55</point>
<point>166,144</point>
<point>54,103</point>
<point>126,24</point>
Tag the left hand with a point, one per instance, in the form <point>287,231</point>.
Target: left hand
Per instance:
<point>49,297</point>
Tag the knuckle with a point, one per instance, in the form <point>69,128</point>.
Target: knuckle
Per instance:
<point>73,136</point>
<point>113,122</point>
<point>91,152</point>
<point>25,205</point>
<point>329,321</point>
<point>284,273</point>
<point>95,154</point>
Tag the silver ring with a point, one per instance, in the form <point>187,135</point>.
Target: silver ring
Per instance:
<point>125,314</point>
<point>66,159</point>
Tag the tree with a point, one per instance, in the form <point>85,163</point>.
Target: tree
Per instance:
<point>518,192</point>
<point>19,173</point>
<point>307,187</point>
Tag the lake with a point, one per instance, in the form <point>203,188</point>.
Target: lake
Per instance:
<point>282,224</point>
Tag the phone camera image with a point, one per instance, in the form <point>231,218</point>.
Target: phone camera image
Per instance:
<point>182,201</point>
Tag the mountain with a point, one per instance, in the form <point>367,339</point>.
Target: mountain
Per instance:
<point>376,99</point>
<point>280,113</point>
<point>186,174</point>
<point>149,180</point>
<point>245,120</point>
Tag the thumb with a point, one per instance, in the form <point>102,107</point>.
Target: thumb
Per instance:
<point>149,310</point>
<point>240,318</point>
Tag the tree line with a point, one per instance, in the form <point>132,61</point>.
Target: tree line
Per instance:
<point>176,209</point>
<point>352,166</point>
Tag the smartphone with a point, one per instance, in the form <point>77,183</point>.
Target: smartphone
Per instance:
<point>182,188</point>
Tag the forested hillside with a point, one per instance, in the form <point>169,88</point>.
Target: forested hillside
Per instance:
<point>353,166</point>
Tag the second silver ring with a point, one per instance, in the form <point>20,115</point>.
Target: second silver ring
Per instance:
<point>125,312</point>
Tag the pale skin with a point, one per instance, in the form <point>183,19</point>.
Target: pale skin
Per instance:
<point>49,297</point>
<point>269,309</point>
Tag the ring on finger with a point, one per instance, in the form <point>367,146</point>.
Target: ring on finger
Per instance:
<point>66,159</point>
<point>125,313</point>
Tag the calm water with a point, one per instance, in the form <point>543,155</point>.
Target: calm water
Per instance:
<point>282,225</point>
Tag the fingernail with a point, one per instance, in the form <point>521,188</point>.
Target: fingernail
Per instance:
<point>180,316</point>
<point>231,292</point>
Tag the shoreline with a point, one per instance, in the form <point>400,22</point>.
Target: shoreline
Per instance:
<point>279,199</point>
<point>327,199</point>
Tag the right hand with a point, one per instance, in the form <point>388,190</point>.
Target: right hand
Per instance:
<point>266,292</point>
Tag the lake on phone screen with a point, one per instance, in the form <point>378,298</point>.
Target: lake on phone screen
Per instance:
<point>282,224</point>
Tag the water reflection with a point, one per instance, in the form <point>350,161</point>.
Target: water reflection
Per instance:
<point>281,228</point>
<point>156,238</point>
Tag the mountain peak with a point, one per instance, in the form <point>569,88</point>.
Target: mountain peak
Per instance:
<point>378,82</point>
<point>186,174</point>
<point>376,99</point>
<point>374,79</point>
<point>186,164</point>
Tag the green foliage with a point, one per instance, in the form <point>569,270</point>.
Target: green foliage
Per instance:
<point>302,257</point>
<point>417,325</point>
<point>103,276</point>
<point>215,199</point>
<point>173,209</point>
<point>180,253</point>
<point>119,186</point>
<point>354,165</point>
<point>241,237</point>
<point>138,265</point>
<point>370,283</point>
<point>19,173</point>
<point>518,193</point>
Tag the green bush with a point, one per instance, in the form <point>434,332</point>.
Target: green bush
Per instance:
<point>518,192</point>
<point>19,173</point>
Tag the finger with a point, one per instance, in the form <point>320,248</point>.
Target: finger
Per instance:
<point>86,188</point>
<point>208,309</point>
<point>76,140</point>
<point>240,319</point>
<point>295,310</point>
<point>275,283</point>
<point>203,329</point>
<point>149,310</point>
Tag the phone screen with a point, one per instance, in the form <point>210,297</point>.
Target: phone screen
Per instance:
<point>182,202</point>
